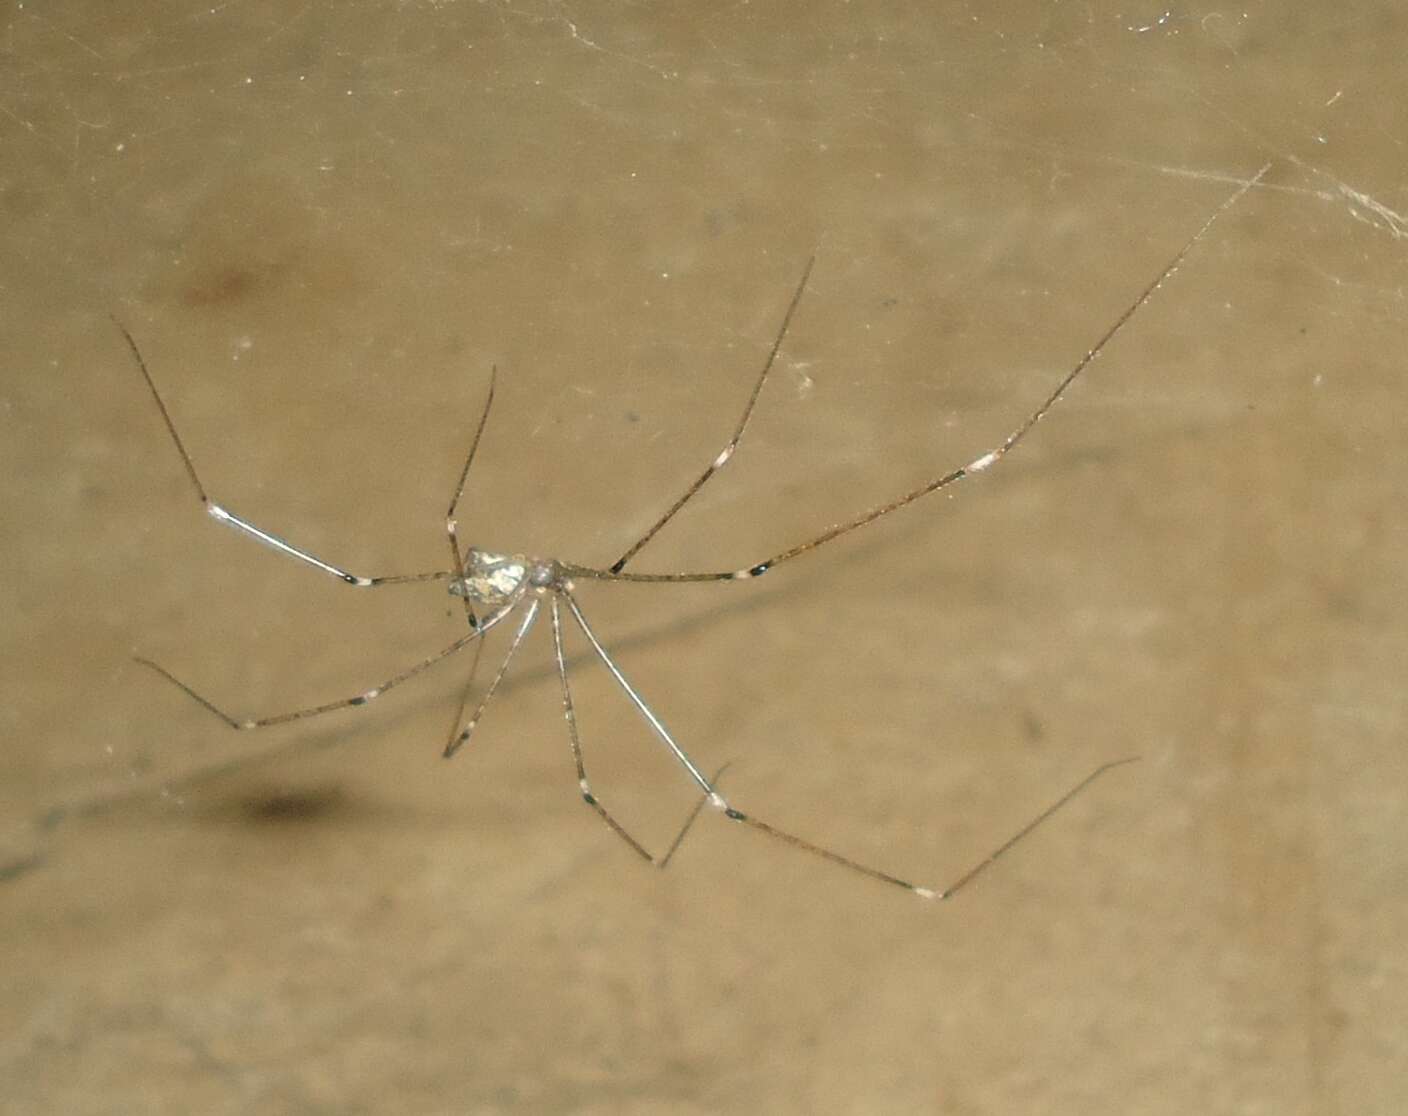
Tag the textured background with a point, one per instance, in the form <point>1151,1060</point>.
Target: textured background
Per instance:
<point>325,221</point>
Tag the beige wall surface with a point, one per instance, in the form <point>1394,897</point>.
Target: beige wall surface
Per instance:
<point>325,222</point>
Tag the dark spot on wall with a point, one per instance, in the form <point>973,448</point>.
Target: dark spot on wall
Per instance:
<point>293,805</point>
<point>257,236</point>
<point>228,283</point>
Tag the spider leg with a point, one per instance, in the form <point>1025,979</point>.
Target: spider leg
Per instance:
<point>468,685</point>
<point>223,515</point>
<point>922,892</point>
<point>973,468</point>
<point>726,453</point>
<point>699,804</point>
<point>713,798</point>
<point>569,712</point>
<point>451,520</point>
<point>458,741</point>
<point>645,711</point>
<point>342,703</point>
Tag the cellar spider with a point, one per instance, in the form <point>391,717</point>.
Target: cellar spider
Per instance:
<point>494,586</point>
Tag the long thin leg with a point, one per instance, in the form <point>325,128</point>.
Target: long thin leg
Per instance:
<point>978,465</point>
<point>699,804</point>
<point>456,555</point>
<point>327,707</point>
<point>230,519</point>
<point>645,711</point>
<point>451,521</point>
<point>715,799</point>
<point>458,741</point>
<point>727,452</point>
<point>468,682</point>
<point>569,712</point>
<point>473,449</point>
<point>924,892</point>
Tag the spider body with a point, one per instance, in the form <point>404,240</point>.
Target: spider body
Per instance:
<point>492,580</point>
<point>502,583</point>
